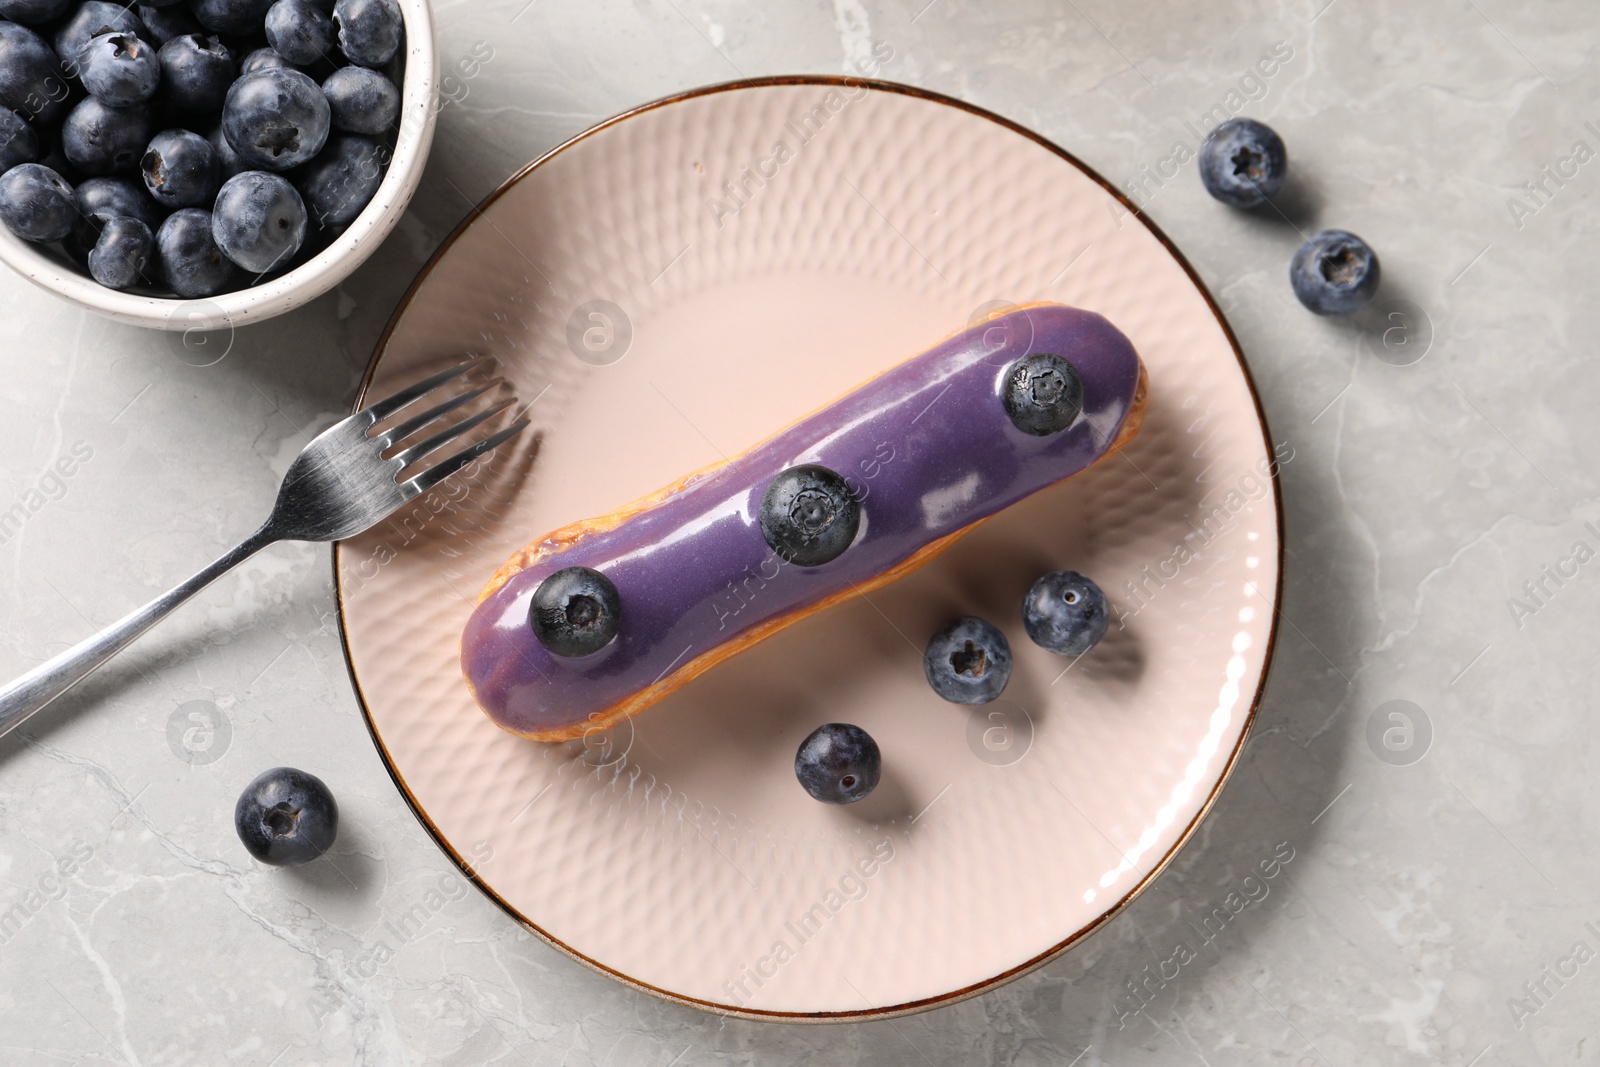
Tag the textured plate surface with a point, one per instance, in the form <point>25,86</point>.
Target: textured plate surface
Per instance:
<point>676,285</point>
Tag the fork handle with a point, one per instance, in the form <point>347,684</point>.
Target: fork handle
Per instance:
<point>50,679</point>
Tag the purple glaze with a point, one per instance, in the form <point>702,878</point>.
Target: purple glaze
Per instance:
<point>928,446</point>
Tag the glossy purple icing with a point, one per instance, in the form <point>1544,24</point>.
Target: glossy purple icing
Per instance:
<point>928,446</point>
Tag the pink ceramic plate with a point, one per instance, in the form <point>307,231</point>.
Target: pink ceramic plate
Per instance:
<point>673,286</point>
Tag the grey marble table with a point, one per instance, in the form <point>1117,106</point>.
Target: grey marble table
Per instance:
<point>1443,515</point>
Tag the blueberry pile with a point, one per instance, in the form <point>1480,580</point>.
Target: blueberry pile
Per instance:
<point>1243,163</point>
<point>193,147</point>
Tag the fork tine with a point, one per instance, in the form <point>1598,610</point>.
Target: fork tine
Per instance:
<point>432,444</point>
<point>412,425</point>
<point>382,409</point>
<point>446,467</point>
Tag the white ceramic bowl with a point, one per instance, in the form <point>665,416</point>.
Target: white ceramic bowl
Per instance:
<point>419,104</point>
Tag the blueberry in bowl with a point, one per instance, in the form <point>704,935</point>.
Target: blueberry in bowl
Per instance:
<point>191,263</point>
<point>118,195</point>
<point>119,69</point>
<point>1243,163</point>
<point>299,32</point>
<point>31,79</point>
<point>286,817</point>
<point>196,72</point>
<point>258,220</point>
<point>968,662</point>
<point>121,253</point>
<point>180,169</point>
<point>89,20</point>
<point>36,203</point>
<point>18,142</point>
<point>369,30</point>
<point>261,58</point>
<point>33,12</point>
<point>238,17</point>
<point>100,139</point>
<point>838,763</point>
<point>165,21</point>
<point>1066,613</point>
<point>342,179</point>
<point>361,100</point>
<point>276,118</point>
<point>95,90</point>
<point>1335,273</point>
<point>98,200</point>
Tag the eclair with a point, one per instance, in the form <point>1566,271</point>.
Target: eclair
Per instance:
<point>594,622</point>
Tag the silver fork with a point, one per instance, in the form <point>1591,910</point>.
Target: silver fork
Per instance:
<point>339,485</point>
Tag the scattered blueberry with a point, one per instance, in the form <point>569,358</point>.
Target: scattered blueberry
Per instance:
<point>808,515</point>
<point>119,69</point>
<point>33,12</point>
<point>36,203</point>
<point>299,32</point>
<point>1243,163</point>
<point>258,220</point>
<point>1334,273</point>
<point>190,262</point>
<point>1066,613</point>
<point>121,255</point>
<point>369,30</point>
<point>18,142</point>
<point>91,20</point>
<point>167,21</point>
<point>276,118</point>
<point>575,611</point>
<point>838,763</point>
<point>361,100</point>
<point>968,662</point>
<point>286,817</point>
<point>260,59</point>
<point>196,72</point>
<point>31,83</point>
<point>99,139</point>
<point>238,17</point>
<point>343,179</point>
<point>180,169</point>
<point>1042,394</point>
